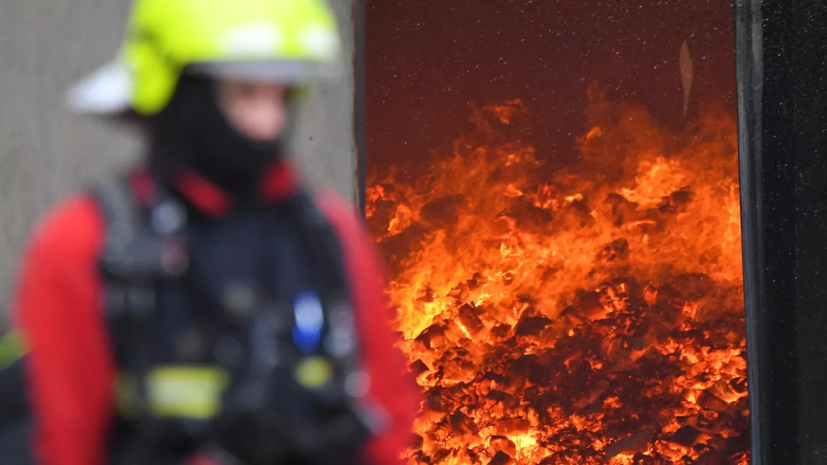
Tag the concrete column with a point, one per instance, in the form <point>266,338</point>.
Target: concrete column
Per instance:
<point>46,153</point>
<point>325,140</point>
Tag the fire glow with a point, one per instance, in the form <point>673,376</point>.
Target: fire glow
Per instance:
<point>590,316</point>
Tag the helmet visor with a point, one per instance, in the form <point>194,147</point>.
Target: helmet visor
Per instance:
<point>107,90</point>
<point>280,72</point>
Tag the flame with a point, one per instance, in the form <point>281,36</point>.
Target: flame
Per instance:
<point>592,315</point>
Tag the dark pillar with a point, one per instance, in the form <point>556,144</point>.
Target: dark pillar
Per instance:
<point>782,91</point>
<point>359,99</point>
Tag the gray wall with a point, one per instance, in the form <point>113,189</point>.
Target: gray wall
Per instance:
<point>45,153</point>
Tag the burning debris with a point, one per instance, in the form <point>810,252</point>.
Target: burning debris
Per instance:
<point>594,317</point>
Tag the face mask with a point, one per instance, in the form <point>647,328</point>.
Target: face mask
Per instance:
<point>193,133</point>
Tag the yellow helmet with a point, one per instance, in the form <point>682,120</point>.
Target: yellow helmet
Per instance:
<point>286,41</point>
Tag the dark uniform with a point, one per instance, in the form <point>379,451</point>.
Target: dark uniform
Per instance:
<point>238,257</point>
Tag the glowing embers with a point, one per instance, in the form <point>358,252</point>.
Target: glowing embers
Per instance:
<point>588,316</point>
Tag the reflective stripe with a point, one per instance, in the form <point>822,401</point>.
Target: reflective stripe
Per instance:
<point>13,346</point>
<point>192,392</point>
<point>176,391</point>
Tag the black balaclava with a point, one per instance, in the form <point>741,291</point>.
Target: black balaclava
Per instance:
<point>193,133</point>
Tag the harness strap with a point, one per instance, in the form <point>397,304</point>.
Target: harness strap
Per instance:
<point>116,202</point>
<point>134,258</point>
<point>341,341</point>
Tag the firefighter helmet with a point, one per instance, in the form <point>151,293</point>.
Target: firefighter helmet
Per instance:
<point>287,41</point>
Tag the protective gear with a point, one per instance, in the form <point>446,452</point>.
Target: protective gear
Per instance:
<point>194,133</point>
<point>189,353</point>
<point>58,306</point>
<point>286,41</point>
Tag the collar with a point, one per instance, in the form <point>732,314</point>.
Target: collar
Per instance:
<point>279,182</point>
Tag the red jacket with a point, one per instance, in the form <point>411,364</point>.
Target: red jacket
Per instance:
<point>71,371</point>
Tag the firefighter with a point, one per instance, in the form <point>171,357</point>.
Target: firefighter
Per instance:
<point>205,307</point>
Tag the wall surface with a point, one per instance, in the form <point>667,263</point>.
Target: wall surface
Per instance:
<point>46,153</point>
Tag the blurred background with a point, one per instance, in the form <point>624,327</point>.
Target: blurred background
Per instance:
<point>429,61</point>
<point>46,153</point>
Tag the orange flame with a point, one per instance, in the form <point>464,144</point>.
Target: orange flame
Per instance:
<point>528,303</point>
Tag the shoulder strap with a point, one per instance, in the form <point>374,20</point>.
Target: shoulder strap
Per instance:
<point>134,257</point>
<point>341,340</point>
<point>324,241</point>
<point>122,217</point>
<point>142,242</point>
<point>141,247</point>
<point>120,210</point>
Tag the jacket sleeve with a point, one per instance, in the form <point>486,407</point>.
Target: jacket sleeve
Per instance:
<point>391,385</point>
<point>70,373</point>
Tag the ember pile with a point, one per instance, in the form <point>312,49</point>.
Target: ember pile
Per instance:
<point>592,315</point>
